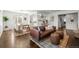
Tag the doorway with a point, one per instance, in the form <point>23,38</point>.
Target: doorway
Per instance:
<point>62,21</point>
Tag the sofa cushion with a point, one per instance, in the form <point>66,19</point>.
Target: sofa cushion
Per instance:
<point>46,33</point>
<point>54,28</point>
<point>42,28</point>
<point>48,27</point>
<point>34,33</point>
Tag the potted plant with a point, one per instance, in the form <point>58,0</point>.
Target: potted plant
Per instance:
<point>5,19</point>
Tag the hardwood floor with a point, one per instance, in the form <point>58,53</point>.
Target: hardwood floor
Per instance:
<point>22,41</point>
<point>33,45</point>
<point>8,40</point>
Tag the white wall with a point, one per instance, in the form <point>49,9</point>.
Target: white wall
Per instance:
<point>72,25</point>
<point>40,20</point>
<point>13,16</point>
<point>34,20</point>
<point>55,14</point>
<point>1,23</point>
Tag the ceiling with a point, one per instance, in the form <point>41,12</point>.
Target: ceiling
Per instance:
<point>47,11</point>
<point>39,11</point>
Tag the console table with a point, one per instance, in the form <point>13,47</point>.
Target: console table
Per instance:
<point>20,34</point>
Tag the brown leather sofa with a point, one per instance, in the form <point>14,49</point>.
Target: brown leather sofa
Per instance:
<point>45,33</point>
<point>56,37</point>
<point>35,33</point>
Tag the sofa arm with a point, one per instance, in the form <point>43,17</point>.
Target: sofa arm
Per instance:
<point>34,33</point>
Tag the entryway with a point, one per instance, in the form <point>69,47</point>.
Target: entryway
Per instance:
<point>62,21</point>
